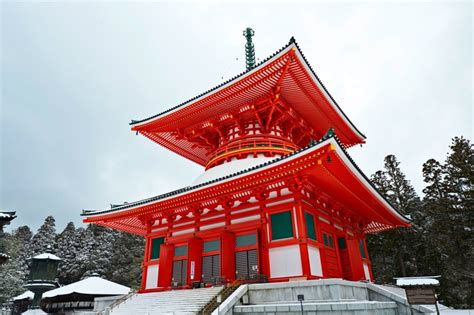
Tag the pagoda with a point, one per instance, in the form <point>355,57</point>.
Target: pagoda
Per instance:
<point>279,198</point>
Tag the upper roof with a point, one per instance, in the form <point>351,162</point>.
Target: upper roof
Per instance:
<point>301,89</point>
<point>354,188</point>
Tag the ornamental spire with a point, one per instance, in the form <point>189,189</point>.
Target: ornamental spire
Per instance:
<point>249,49</point>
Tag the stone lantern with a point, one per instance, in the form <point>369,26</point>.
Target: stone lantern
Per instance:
<point>43,276</point>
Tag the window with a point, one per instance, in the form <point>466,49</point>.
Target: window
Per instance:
<point>212,246</point>
<point>211,268</point>
<point>282,226</point>
<point>341,241</point>
<point>328,242</point>
<point>180,272</point>
<point>245,240</point>
<point>362,249</point>
<point>309,218</point>
<point>155,247</point>
<point>181,251</point>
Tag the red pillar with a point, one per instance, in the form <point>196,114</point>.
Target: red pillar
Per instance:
<point>144,263</point>
<point>303,236</point>
<point>194,260</point>
<point>165,272</point>
<point>228,256</point>
<point>263,253</point>
<point>355,258</point>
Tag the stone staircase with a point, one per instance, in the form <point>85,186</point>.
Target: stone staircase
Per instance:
<point>176,302</point>
<point>321,297</point>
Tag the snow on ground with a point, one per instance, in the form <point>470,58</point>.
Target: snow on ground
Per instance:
<point>92,285</point>
<point>229,168</point>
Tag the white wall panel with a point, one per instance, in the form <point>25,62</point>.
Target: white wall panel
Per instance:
<point>315,261</point>
<point>366,272</point>
<point>152,277</point>
<point>285,261</point>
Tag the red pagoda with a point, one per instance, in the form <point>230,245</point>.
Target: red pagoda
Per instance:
<point>280,198</point>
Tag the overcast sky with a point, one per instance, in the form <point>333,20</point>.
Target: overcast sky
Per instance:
<point>75,73</point>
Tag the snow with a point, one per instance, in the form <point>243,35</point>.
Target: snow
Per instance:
<point>229,168</point>
<point>34,312</point>
<point>91,286</point>
<point>47,256</point>
<point>6,215</point>
<point>417,281</point>
<point>26,295</point>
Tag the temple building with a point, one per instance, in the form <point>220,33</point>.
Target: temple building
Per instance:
<point>5,218</point>
<point>279,199</point>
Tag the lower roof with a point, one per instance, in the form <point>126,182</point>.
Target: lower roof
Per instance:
<point>326,162</point>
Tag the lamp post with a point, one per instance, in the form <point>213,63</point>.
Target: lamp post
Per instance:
<point>301,299</point>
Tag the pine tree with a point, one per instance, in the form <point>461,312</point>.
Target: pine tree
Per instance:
<point>13,273</point>
<point>126,269</point>
<point>100,254</point>
<point>68,248</point>
<point>395,252</point>
<point>45,239</point>
<point>449,201</point>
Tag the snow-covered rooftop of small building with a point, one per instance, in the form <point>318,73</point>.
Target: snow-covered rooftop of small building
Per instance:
<point>34,312</point>
<point>412,281</point>
<point>229,168</point>
<point>90,286</point>
<point>7,215</point>
<point>47,256</point>
<point>25,295</point>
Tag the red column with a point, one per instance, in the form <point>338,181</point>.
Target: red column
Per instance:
<point>194,259</point>
<point>303,236</point>
<point>228,256</point>
<point>165,271</point>
<point>263,254</point>
<point>357,269</point>
<point>144,263</point>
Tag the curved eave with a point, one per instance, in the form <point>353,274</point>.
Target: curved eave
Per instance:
<point>138,125</point>
<point>151,205</point>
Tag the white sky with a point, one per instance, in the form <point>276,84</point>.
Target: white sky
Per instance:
<point>75,73</point>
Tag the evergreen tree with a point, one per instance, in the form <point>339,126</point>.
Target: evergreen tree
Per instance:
<point>68,244</point>
<point>126,268</point>
<point>45,239</point>
<point>449,201</point>
<point>393,252</point>
<point>13,273</point>
<point>100,253</point>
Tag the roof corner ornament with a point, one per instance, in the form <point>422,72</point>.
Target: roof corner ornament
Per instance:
<point>249,48</point>
<point>330,133</point>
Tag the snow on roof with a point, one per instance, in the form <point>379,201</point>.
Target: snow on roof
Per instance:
<point>25,295</point>
<point>412,281</point>
<point>7,215</point>
<point>90,286</point>
<point>228,168</point>
<point>34,312</point>
<point>47,256</point>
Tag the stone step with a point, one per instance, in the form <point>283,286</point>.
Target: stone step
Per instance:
<point>340,308</point>
<point>166,302</point>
